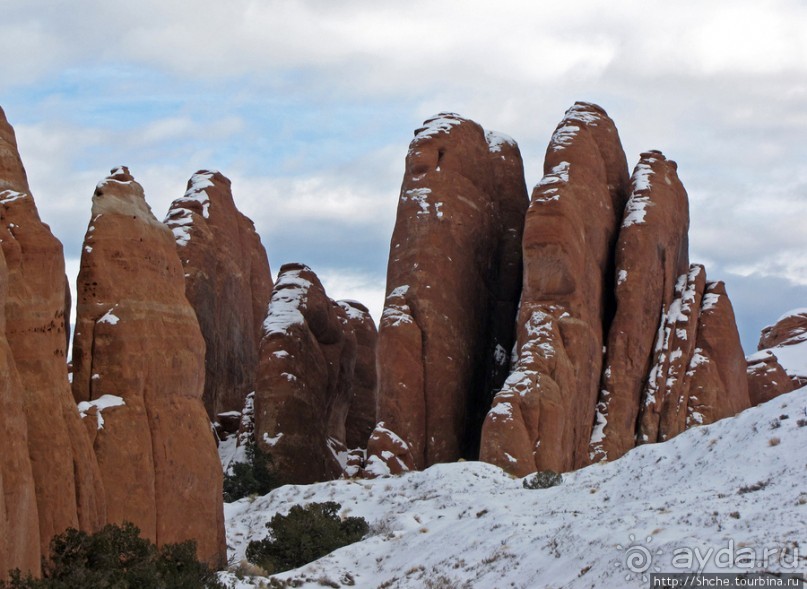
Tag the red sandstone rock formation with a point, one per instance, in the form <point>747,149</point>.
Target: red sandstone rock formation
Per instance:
<point>651,255</point>
<point>719,385</point>
<point>786,339</point>
<point>767,378</point>
<point>362,414</point>
<point>452,285</point>
<point>19,519</point>
<point>663,410</point>
<point>542,417</point>
<point>228,282</point>
<point>305,377</point>
<point>66,477</point>
<point>138,361</point>
<point>789,329</point>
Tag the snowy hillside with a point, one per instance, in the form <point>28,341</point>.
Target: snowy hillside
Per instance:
<point>737,486</point>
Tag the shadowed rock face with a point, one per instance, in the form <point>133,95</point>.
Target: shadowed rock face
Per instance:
<point>362,413</point>
<point>67,482</point>
<point>138,361</point>
<point>305,378</point>
<point>542,417</point>
<point>453,281</point>
<point>228,282</point>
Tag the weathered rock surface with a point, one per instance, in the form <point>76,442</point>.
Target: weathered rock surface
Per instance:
<point>651,254</point>
<point>787,339</point>
<point>766,377</point>
<point>663,408</point>
<point>453,284</point>
<point>305,377</point>
<point>789,329</point>
<point>19,519</point>
<point>228,282</point>
<point>542,417</point>
<point>362,414</point>
<point>66,477</point>
<point>606,262</point>
<point>719,385</point>
<point>138,363</point>
<point>387,453</point>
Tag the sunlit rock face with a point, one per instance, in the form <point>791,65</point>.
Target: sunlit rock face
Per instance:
<point>60,459</point>
<point>453,283</point>
<point>138,362</point>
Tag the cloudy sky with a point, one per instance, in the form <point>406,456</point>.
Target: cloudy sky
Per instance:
<point>309,106</point>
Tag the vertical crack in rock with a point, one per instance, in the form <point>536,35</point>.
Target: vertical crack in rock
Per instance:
<point>543,416</point>
<point>455,264</point>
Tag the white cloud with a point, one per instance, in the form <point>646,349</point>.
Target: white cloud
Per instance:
<point>368,289</point>
<point>720,87</point>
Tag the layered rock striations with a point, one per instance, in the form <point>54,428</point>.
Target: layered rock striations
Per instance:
<point>138,362</point>
<point>453,283</point>
<point>228,282</point>
<point>65,475</point>
<point>542,417</point>
<point>315,368</point>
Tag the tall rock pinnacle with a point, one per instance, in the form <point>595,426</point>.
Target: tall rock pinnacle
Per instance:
<point>542,417</point>
<point>228,282</point>
<point>453,281</point>
<point>138,362</point>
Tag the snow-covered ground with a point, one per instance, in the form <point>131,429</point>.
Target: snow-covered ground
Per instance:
<point>735,490</point>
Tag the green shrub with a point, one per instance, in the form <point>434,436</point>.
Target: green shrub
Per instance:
<point>254,477</point>
<point>542,480</point>
<point>304,535</point>
<point>117,558</point>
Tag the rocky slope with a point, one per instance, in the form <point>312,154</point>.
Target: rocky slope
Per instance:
<point>138,361</point>
<point>228,283</point>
